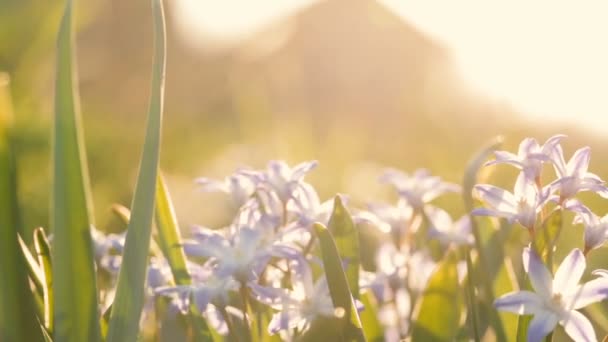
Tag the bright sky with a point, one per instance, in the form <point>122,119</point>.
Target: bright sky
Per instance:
<point>546,58</point>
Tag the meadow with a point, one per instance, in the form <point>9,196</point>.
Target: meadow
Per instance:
<point>521,262</point>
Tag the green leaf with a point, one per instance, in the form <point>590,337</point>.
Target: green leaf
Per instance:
<point>17,310</point>
<point>440,305</point>
<point>338,286</point>
<point>480,274</point>
<point>75,287</point>
<point>346,237</point>
<point>169,237</point>
<point>34,270</point>
<point>170,243</point>
<point>372,327</point>
<point>43,251</point>
<point>546,237</point>
<point>129,300</point>
<point>523,322</point>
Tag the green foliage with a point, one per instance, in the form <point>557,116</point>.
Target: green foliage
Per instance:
<point>482,272</point>
<point>74,287</point>
<point>17,320</point>
<point>370,318</point>
<point>129,299</point>
<point>170,243</point>
<point>440,306</point>
<point>43,251</point>
<point>346,236</point>
<point>169,237</point>
<point>546,237</point>
<point>350,324</point>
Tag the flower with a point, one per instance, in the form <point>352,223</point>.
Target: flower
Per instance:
<point>596,228</point>
<point>239,186</point>
<point>241,252</point>
<point>108,250</point>
<point>418,189</point>
<point>573,176</point>
<point>300,307</point>
<point>447,231</point>
<point>556,299</point>
<point>530,156</point>
<point>281,178</point>
<point>523,205</point>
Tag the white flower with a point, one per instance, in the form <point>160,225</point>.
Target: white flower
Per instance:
<point>523,205</point>
<point>556,299</point>
<point>238,186</point>
<point>447,231</point>
<point>418,189</point>
<point>596,228</point>
<point>573,176</point>
<point>299,307</point>
<point>530,156</point>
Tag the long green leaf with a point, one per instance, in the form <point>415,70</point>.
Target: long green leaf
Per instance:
<point>346,237</point>
<point>338,285</point>
<point>481,274</point>
<point>169,239</point>
<point>17,311</point>
<point>129,300</point>
<point>43,251</point>
<point>440,305</point>
<point>75,287</point>
<point>546,237</point>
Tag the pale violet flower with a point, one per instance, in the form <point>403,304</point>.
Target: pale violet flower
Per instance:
<point>108,250</point>
<point>238,186</point>
<point>208,293</point>
<point>241,253</point>
<point>298,308</point>
<point>573,176</point>
<point>556,299</point>
<point>281,178</point>
<point>529,157</point>
<point>596,228</point>
<point>308,207</point>
<point>523,205</point>
<point>418,189</point>
<point>397,220</point>
<point>447,231</point>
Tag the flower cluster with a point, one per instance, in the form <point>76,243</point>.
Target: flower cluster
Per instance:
<point>263,272</point>
<point>557,297</point>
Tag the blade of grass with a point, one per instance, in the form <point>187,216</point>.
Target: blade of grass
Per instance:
<point>75,286</point>
<point>341,295</point>
<point>34,270</point>
<point>169,239</point>
<point>439,307</point>
<point>346,236</point>
<point>17,310</point>
<point>469,181</point>
<point>43,251</point>
<point>129,300</point>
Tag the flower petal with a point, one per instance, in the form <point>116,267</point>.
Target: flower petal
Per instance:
<point>527,146</point>
<point>569,272</point>
<point>540,277</point>
<point>593,291</point>
<point>579,163</point>
<point>578,327</point>
<point>521,303</point>
<point>497,198</point>
<point>541,325</point>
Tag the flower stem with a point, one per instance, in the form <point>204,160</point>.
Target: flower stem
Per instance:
<point>470,294</point>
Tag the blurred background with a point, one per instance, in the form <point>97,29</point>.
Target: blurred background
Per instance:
<point>359,85</point>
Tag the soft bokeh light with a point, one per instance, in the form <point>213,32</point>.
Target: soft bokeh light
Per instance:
<point>545,58</point>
